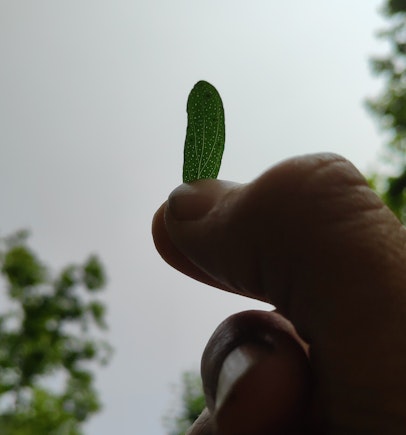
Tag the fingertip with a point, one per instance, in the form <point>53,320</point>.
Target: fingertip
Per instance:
<point>265,396</point>
<point>192,201</point>
<point>158,224</point>
<point>171,254</point>
<point>256,375</point>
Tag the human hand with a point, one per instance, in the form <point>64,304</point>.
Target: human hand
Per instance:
<point>310,237</point>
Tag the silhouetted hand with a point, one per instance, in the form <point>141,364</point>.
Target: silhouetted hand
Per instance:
<point>311,238</point>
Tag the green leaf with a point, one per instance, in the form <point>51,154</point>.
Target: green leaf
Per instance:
<point>205,134</point>
<point>22,268</point>
<point>41,338</point>
<point>93,274</point>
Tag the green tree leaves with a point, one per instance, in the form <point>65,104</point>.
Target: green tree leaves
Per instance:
<point>205,134</point>
<point>390,108</point>
<point>21,268</point>
<point>192,403</point>
<point>48,332</point>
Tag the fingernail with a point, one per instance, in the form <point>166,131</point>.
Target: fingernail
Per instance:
<point>236,366</point>
<point>192,201</point>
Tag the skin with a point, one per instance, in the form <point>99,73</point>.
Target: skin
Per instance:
<point>311,238</point>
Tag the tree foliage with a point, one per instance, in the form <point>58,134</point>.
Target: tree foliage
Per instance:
<point>390,106</point>
<point>191,406</point>
<point>46,342</point>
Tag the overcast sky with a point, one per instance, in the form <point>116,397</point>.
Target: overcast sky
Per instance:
<point>92,125</point>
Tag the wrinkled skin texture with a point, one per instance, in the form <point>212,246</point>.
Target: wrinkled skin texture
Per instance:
<point>311,238</point>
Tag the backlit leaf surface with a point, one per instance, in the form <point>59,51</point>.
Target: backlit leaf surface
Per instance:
<point>205,134</point>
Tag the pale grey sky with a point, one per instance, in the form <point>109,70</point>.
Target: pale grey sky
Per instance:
<point>92,124</point>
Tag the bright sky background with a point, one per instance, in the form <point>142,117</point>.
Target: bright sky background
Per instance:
<point>92,125</point>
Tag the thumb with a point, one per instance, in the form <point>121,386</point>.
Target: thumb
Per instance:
<point>310,237</point>
<point>303,225</point>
